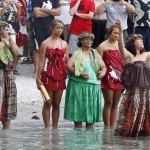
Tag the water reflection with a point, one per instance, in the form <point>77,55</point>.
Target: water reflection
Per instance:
<point>82,139</point>
<point>27,136</point>
<point>52,139</point>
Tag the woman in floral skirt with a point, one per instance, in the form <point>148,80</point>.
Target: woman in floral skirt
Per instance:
<point>134,115</point>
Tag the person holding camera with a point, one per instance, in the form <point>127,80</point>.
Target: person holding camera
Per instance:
<point>8,12</point>
<point>8,92</point>
<point>116,9</point>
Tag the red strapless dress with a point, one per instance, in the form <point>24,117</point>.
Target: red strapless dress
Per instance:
<point>55,72</point>
<point>113,62</point>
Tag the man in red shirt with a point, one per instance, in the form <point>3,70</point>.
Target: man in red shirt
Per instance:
<point>82,12</point>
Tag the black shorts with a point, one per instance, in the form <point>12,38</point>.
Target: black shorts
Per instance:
<point>39,35</point>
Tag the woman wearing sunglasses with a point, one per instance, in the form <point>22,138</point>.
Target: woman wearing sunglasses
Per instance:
<point>83,95</point>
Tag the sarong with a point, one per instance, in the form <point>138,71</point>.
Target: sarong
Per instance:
<point>8,96</point>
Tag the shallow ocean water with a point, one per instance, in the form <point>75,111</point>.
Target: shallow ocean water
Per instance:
<point>32,136</point>
<point>28,134</point>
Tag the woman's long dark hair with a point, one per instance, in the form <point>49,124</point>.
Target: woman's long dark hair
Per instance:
<point>129,45</point>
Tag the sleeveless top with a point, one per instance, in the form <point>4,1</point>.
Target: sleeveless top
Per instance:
<point>136,75</point>
<point>55,67</point>
<point>91,73</point>
<point>113,62</point>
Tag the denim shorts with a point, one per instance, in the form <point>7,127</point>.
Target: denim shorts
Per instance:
<point>73,41</point>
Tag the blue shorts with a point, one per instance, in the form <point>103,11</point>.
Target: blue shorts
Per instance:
<point>73,41</point>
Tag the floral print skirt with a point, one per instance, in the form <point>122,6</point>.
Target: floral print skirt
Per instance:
<point>8,96</point>
<point>134,113</point>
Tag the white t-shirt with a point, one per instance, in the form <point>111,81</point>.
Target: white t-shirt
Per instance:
<point>65,16</point>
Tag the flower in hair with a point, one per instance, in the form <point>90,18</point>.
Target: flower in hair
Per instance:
<point>133,38</point>
<point>85,35</point>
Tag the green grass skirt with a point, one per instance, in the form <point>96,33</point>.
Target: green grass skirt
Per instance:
<point>83,102</point>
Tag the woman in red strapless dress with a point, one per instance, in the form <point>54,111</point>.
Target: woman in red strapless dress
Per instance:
<point>110,83</point>
<point>52,71</point>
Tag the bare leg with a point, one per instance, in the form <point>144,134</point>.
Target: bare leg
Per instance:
<point>108,100</point>
<point>89,125</point>
<point>46,112</point>
<point>6,124</point>
<point>114,109</point>
<point>78,124</point>
<point>55,109</point>
<point>36,60</point>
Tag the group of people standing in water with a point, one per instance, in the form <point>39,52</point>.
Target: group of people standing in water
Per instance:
<point>119,70</point>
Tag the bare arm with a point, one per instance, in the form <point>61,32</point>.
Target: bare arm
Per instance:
<point>73,10</point>
<point>100,50</point>
<point>70,63</point>
<point>85,16</point>
<point>18,11</point>
<point>130,8</point>
<point>148,56</point>
<point>102,70</point>
<point>38,13</point>
<point>67,51</point>
<point>53,12</point>
<point>125,54</point>
<point>43,50</point>
<point>2,44</point>
<point>4,40</point>
<point>101,6</point>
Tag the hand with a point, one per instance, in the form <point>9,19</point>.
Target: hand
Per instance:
<point>85,76</point>
<point>38,83</point>
<point>122,1</point>
<point>5,41</point>
<point>3,11</point>
<point>100,75</point>
<point>77,14</point>
<point>10,2</point>
<point>108,2</point>
<point>5,36</point>
<point>119,24</point>
<point>18,4</point>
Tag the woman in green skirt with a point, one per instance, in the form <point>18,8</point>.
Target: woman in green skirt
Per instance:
<point>83,95</point>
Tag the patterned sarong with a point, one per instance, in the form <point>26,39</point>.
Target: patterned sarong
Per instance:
<point>134,113</point>
<point>8,96</point>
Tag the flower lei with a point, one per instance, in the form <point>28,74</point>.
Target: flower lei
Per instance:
<point>85,35</point>
<point>133,38</point>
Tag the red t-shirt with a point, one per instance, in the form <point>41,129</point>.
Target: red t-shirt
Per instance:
<point>79,25</point>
